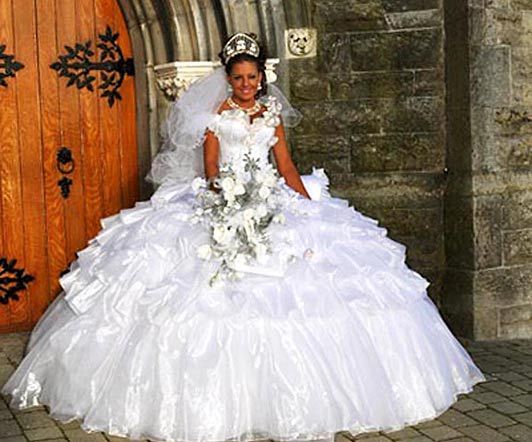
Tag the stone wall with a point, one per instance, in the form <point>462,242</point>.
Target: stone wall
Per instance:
<point>490,191</point>
<point>373,102</point>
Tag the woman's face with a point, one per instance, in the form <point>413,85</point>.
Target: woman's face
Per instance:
<point>245,79</point>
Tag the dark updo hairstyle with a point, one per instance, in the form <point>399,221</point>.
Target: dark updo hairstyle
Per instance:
<point>260,61</point>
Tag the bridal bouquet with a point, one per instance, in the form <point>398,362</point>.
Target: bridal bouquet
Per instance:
<point>238,212</point>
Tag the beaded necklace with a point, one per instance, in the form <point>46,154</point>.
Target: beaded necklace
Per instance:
<point>250,111</point>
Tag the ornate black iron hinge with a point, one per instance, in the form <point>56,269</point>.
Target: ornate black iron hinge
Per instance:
<point>65,164</point>
<point>8,66</point>
<point>12,280</point>
<point>77,66</point>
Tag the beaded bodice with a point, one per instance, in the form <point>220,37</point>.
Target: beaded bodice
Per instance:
<point>240,138</point>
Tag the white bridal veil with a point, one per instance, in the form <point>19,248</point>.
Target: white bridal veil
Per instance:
<point>181,154</point>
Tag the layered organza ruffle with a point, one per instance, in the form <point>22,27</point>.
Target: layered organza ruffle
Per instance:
<point>138,344</point>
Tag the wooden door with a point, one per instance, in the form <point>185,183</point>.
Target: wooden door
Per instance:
<point>68,156</point>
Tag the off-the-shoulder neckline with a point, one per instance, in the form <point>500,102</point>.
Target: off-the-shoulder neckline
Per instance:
<point>249,121</point>
<point>266,103</point>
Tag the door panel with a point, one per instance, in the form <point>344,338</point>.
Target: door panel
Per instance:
<point>74,206</point>
<point>29,147</point>
<point>10,174</point>
<point>41,225</point>
<point>90,131</point>
<point>51,140</point>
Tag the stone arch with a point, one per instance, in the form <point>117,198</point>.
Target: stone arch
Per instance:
<point>163,31</point>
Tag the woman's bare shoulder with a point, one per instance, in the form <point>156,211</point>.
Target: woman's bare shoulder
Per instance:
<point>223,106</point>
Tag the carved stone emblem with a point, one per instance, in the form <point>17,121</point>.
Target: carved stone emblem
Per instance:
<point>300,42</point>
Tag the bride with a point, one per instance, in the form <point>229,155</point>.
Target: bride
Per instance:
<point>242,301</point>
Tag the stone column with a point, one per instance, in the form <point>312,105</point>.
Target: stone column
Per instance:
<point>488,209</point>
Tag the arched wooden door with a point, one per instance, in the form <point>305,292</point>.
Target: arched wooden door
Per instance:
<point>68,154</point>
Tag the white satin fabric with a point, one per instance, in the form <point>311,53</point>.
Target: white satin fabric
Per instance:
<point>138,344</point>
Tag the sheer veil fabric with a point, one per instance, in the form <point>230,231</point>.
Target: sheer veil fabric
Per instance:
<point>181,156</point>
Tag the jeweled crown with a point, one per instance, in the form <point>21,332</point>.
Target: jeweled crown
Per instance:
<point>240,43</point>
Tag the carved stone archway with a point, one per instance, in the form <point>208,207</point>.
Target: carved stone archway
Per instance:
<point>163,31</point>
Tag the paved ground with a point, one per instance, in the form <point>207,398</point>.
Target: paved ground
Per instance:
<point>497,410</point>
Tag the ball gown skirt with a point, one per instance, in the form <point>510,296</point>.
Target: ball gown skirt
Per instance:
<point>139,344</point>
<point>333,332</point>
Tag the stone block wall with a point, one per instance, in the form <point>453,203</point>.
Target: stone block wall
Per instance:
<point>374,117</point>
<point>501,135</point>
<point>488,214</point>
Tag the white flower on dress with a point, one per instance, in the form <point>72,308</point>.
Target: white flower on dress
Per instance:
<point>271,115</point>
<point>222,234</point>
<point>239,189</point>
<point>204,252</point>
<point>261,211</point>
<point>198,183</point>
<point>279,218</point>
<point>228,184</point>
<point>238,216</point>
<point>264,192</point>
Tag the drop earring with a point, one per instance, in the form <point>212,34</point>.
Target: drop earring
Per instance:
<point>229,88</point>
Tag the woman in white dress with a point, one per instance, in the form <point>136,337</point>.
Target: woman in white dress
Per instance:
<point>319,327</point>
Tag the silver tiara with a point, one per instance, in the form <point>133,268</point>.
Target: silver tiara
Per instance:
<point>240,43</point>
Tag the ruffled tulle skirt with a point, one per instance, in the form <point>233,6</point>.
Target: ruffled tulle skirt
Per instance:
<point>139,344</point>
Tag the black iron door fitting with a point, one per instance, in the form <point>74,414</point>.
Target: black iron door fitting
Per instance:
<point>65,164</point>
<point>78,67</point>
<point>8,65</point>
<point>12,280</point>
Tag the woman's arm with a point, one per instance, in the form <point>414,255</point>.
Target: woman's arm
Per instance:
<point>211,151</point>
<point>285,165</point>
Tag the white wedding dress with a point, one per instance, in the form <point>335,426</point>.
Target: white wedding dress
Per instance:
<point>341,337</point>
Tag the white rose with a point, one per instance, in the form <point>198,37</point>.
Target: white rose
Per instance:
<point>230,198</point>
<point>260,176</point>
<point>228,184</point>
<point>262,211</point>
<point>204,252</point>
<point>221,234</point>
<point>264,192</point>
<point>239,189</point>
<point>274,180</point>
<point>279,218</point>
<point>198,183</point>
<point>248,214</point>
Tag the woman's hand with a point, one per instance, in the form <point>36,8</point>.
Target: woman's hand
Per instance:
<point>285,165</point>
